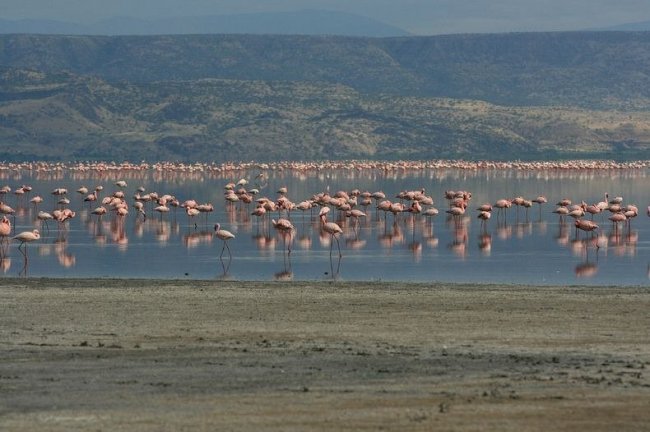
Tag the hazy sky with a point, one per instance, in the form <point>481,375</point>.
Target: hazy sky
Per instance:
<point>416,16</point>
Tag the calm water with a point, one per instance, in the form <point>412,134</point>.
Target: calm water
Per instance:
<point>530,249</point>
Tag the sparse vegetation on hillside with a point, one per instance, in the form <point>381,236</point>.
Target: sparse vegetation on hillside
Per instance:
<point>216,97</point>
<point>72,117</point>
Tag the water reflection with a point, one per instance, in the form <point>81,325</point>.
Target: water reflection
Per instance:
<point>5,264</point>
<point>485,243</point>
<point>141,233</point>
<point>286,274</point>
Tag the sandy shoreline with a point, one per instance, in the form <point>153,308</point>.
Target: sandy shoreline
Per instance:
<point>205,355</point>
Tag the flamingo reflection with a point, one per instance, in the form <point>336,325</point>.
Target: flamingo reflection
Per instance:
<point>286,274</point>
<point>485,244</point>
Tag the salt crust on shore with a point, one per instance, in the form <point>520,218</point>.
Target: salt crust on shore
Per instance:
<point>248,356</point>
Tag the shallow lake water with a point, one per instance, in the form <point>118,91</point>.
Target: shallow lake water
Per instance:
<point>531,247</point>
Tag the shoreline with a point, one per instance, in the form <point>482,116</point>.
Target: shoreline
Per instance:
<point>39,280</point>
<point>138,354</point>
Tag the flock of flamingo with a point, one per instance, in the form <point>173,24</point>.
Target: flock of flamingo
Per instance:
<point>351,206</point>
<point>97,168</point>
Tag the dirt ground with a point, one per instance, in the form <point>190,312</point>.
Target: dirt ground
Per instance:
<point>148,355</point>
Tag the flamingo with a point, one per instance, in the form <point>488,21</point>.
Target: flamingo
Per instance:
<point>259,212</point>
<point>303,206</point>
<point>5,231</point>
<point>331,228</point>
<point>562,211</point>
<point>456,213</point>
<point>385,207</point>
<point>44,217</point>
<point>26,237</point>
<point>223,235</point>
<point>378,196</point>
<point>6,210</point>
<point>630,213</point>
<point>191,212</point>
<point>484,216</point>
<point>355,214</point>
<point>585,225</point>
<point>593,209</point>
<point>286,227</point>
<point>99,212</point>
<point>162,209</point>
<point>430,212</point>
<point>540,200</point>
<point>503,205</point>
<point>616,218</point>
<point>91,197</point>
<point>36,200</point>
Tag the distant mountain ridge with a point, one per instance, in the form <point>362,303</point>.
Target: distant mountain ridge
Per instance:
<point>587,69</point>
<point>633,26</point>
<point>305,22</point>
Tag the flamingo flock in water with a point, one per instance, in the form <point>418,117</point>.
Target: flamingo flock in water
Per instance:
<point>354,205</point>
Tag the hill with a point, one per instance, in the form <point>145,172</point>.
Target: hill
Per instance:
<point>218,97</point>
<point>590,70</point>
<point>68,117</point>
<point>634,26</point>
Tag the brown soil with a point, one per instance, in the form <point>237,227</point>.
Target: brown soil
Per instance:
<point>249,356</point>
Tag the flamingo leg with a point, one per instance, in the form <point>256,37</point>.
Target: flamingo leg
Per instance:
<point>338,244</point>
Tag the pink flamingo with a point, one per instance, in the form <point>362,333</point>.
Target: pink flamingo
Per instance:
<point>161,209</point>
<point>456,213</point>
<point>223,235</point>
<point>191,213</point>
<point>36,201</point>
<point>24,238</point>
<point>562,211</point>
<point>484,216</point>
<point>259,212</point>
<point>385,207</point>
<point>503,205</point>
<point>5,232</point>
<point>355,214</point>
<point>593,209</point>
<point>616,218</point>
<point>6,210</point>
<point>540,200</point>
<point>286,228</point>
<point>331,228</point>
<point>585,225</point>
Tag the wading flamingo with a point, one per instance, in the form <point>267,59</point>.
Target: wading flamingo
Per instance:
<point>285,227</point>
<point>5,232</point>
<point>331,228</point>
<point>585,225</point>
<point>224,236</point>
<point>24,238</point>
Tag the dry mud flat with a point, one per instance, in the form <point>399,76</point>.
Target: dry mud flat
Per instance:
<point>185,355</point>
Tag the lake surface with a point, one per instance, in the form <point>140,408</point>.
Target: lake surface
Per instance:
<point>520,247</point>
